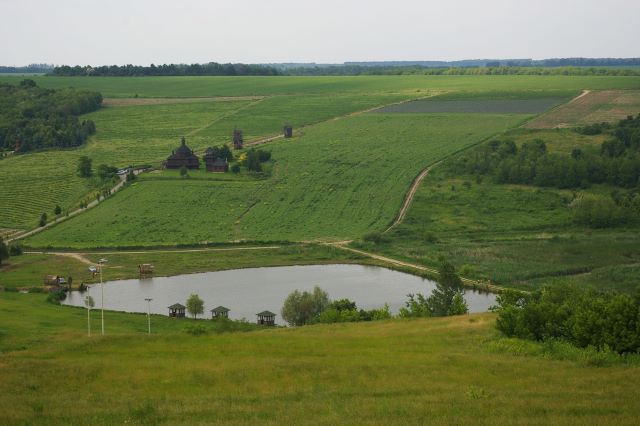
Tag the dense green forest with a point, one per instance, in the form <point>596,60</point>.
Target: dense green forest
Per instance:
<point>33,118</point>
<point>211,69</point>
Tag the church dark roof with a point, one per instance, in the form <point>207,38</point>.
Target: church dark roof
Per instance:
<point>183,156</point>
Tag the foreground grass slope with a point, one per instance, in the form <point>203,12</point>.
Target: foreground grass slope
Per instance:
<point>339,180</point>
<point>395,372</point>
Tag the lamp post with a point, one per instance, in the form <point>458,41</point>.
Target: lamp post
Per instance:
<point>101,262</point>
<point>149,313</point>
<point>88,300</point>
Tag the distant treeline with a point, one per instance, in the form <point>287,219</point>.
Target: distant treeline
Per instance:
<point>34,118</point>
<point>570,66</point>
<point>466,63</point>
<point>497,70</point>
<point>29,69</point>
<point>210,69</point>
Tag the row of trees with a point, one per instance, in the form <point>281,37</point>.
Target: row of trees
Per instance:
<point>301,308</point>
<point>33,118</point>
<point>211,68</point>
<point>582,317</point>
<point>488,70</point>
<point>618,162</point>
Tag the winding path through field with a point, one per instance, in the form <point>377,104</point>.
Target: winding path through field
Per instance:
<point>409,197</point>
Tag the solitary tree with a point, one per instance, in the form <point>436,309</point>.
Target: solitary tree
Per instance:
<point>57,210</point>
<point>84,166</point>
<point>43,219</point>
<point>4,251</point>
<point>195,305</point>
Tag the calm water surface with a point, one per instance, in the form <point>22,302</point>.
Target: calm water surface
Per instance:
<point>249,291</point>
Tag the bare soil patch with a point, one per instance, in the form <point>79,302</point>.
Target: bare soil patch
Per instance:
<point>118,102</point>
<point>590,107</point>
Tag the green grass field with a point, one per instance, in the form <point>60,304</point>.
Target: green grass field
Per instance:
<point>514,235</point>
<point>443,371</point>
<point>337,180</point>
<point>127,87</point>
<point>146,134</point>
<point>29,269</point>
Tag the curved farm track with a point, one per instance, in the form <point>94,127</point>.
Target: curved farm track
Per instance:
<point>409,197</point>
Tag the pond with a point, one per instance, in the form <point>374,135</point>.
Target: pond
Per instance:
<point>249,291</point>
<point>479,106</point>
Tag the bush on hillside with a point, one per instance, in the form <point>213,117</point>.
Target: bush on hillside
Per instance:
<point>582,317</point>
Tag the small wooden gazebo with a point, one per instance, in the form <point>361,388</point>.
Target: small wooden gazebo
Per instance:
<point>266,318</point>
<point>220,312</point>
<point>288,131</point>
<point>145,269</point>
<point>53,280</point>
<point>177,310</point>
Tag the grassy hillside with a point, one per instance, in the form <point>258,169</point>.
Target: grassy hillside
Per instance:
<point>147,134</point>
<point>448,370</point>
<point>339,180</point>
<point>515,235</point>
<point>142,134</point>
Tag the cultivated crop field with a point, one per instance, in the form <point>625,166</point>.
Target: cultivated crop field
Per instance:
<point>190,87</point>
<point>323,168</point>
<point>336,181</point>
<point>593,107</point>
<point>488,106</point>
<point>146,134</point>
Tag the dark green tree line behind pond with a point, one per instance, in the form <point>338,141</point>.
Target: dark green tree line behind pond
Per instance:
<point>34,118</point>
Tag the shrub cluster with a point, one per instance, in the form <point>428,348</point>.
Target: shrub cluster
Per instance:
<point>582,317</point>
<point>301,308</point>
<point>34,118</point>
<point>253,159</point>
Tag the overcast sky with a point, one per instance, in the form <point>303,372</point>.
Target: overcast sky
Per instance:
<point>325,31</point>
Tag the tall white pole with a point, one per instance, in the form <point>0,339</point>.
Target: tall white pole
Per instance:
<point>88,321</point>
<point>149,313</point>
<point>102,298</point>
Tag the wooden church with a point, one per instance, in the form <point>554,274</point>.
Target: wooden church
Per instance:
<point>183,156</point>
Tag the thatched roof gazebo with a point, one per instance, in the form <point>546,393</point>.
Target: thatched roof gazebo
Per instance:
<point>177,310</point>
<point>219,312</point>
<point>266,318</point>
